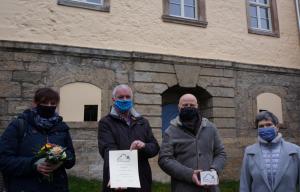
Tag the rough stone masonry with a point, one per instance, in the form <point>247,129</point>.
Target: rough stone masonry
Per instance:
<point>229,91</point>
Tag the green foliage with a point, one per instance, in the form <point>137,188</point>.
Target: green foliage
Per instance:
<point>83,185</point>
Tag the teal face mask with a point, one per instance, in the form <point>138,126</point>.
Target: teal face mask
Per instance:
<point>123,105</point>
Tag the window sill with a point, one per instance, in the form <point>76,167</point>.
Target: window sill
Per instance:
<point>82,124</point>
<point>261,32</point>
<point>104,8</point>
<point>184,21</point>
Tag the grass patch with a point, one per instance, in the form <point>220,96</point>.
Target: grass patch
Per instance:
<point>229,186</point>
<point>83,185</point>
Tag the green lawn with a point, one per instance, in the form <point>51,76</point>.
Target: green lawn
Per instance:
<point>82,185</point>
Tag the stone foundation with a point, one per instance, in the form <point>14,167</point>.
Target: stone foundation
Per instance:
<point>230,91</point>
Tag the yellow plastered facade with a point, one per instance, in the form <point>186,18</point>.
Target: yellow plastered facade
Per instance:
<point>136,25</point>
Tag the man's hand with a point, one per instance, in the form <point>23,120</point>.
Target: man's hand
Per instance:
<point>117,189</point>
<point>137,144</point>
<point>195,177</point>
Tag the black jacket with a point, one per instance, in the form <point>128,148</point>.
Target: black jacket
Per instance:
<point>18,154</point>
<point>115,134</point>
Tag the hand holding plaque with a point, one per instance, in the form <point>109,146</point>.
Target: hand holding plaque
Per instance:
<point>209,177</point>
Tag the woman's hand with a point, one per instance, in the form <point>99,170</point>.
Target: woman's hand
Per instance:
<point>46,168</point>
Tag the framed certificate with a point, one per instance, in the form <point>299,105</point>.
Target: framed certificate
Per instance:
<point>123,169</point>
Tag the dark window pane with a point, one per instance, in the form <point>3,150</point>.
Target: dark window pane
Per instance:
<point>189,12</point>
<point>265,24</point>
<point>189,2</point>
<point>90,112</point>
<point>175,1</point>
<point>253,11</point>
<point>175,9</point>
<point>261,110</point>
<point>169,112</point>
<point>94,1</point>
<point>264,13</point>
<point>254,22</point>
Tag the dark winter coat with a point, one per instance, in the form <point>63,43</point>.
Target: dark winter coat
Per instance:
<point>115,134</point>
<point>182,152</point>
<point>18,155</point>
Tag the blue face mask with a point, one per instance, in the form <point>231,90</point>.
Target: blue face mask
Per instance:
<point>267,133</point>
<point>123,105</point>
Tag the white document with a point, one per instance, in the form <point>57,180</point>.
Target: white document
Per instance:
<point>123,169</point>
<point>209,177</point>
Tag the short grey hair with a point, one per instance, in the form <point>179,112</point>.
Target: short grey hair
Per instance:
<point>121,86</point>
<point>266,115</point>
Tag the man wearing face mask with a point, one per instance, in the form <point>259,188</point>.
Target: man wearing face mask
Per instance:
<point>25,136</point>
<point>272,164</point>
<point>190,145</point>
<point>122,129</point>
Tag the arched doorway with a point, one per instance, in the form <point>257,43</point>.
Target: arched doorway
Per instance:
<point>171,97</point>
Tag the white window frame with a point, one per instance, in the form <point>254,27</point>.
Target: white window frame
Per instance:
<point>258,6</point>
<point>298,13</point>
<point>104,5</point>
<point>182,11</point>
<point>85,1</point>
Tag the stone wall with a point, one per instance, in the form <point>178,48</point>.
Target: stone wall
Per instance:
<point>231,87</point>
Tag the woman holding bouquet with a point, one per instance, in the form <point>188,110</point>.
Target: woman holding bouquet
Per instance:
<point>23,140</point>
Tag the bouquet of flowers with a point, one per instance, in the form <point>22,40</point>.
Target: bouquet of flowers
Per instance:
<point>53,154</point>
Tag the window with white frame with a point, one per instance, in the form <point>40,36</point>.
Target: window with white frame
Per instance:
<point>260,14</point>
<point>101,5</point>
<point>298,12</point>
<point>263,17</point>
<point>187,12</point>
<point>183,8</point>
